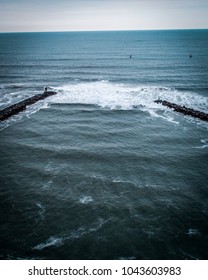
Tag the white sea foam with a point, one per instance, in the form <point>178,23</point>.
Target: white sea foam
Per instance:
<point>119,180</point>
<point>86,199</point>
<point>126,97</point>
<point>114,96</point>
<point>57,241</point>
<point>193,232</point>
<point>205,144</point>
<point>106,95</point>
<point>165,116</point>
<point>52,241</point>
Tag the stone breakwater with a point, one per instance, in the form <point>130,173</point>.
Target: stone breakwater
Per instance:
<point>21,106</point>
<point>184,110</point>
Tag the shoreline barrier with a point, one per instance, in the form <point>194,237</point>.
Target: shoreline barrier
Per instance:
<point>184,110</point>
<point>21,106</point>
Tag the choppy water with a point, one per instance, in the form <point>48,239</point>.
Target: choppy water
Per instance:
<point>100,171</point>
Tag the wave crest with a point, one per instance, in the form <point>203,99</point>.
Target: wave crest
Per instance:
<point>125,97</point>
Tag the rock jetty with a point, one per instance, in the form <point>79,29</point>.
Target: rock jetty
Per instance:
<point>21,106</point>
<point>184,110</point>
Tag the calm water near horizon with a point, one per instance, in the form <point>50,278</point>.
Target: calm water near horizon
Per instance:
<point>100,171</point>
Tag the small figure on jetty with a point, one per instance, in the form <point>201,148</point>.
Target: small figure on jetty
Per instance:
<point>45,89</point>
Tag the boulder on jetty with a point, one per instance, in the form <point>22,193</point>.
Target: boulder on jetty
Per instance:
<point>184,110</point>
<point>21,106</point>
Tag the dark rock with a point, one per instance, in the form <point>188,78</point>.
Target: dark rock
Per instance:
<point>184,110</point>
<point>21,106</point>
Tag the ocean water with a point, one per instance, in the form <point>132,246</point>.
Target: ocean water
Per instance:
<point>100,171</point>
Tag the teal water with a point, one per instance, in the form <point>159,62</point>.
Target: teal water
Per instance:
<point>100,171</point>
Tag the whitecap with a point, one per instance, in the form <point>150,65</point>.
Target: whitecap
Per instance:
<point>106,95</point>
<point>113,95</point>
<point>154,114</point>
<point>86,199</point>
<point>58,241</point>
<point>193,232</point>
<point>52,241</point>
<point>205,144</point>
<point>117,180</point>
<point>118,96</point>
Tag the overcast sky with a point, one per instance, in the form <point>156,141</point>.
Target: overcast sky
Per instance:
<point>72,15</point>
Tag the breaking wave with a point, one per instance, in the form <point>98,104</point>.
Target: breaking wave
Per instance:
<point>125,97</point>
<point>112,96</point>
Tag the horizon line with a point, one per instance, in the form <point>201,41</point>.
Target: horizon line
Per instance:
<point>107,30</point>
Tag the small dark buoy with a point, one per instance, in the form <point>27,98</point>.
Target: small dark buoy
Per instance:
<point>190,56</point>
<point>130,56</point>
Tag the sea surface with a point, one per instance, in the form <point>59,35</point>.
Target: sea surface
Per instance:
<point>100,171</point>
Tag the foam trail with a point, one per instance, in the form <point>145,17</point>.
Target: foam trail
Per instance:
<point>52,241</point>
<point>57,241</point>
